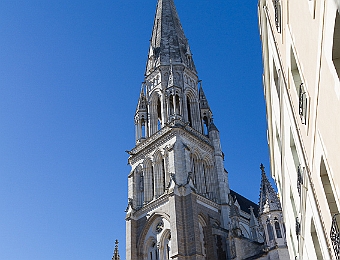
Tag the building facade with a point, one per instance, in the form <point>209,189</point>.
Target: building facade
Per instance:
<point>301,51</point>
<point>180,205</point>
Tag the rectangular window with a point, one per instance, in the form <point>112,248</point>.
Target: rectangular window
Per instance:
<point>295,71</point>
<point>336,44</point>
<point>292,201</point>
<point>294,151</point>
<point>276,80</point>
<point>315,239</point>
<point>293,244</point>
<point>278,140</point>
<point>299,87</point>
<point>328,189</point>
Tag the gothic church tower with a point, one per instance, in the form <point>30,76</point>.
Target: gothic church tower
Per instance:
<point>178,189</point>
<point>179,202</point>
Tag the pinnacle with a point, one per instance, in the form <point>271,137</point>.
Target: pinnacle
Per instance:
<point>116,253</point>
<point>268,197</point>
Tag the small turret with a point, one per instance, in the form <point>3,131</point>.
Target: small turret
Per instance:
<point>141,117</point>
<point>270,214</point>
<point>254,226</point>
<point>206,113</point>
<point>235,217</point>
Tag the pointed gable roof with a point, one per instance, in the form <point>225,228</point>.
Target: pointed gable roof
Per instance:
<point>269,200</point>
<point>168,41</point>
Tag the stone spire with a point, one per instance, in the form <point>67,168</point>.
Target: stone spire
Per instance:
<point>116,253</point>
<point>268,197</point>
<point>168,41</point>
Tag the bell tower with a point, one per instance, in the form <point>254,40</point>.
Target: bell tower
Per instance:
<point>178,189</point>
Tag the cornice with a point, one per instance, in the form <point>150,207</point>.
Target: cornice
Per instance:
<point>208,202</point>
<point>160,201</point>
<point>175,128</point>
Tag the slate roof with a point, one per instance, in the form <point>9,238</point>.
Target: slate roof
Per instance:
<point>245,203</point>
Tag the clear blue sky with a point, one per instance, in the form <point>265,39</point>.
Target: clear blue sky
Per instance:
<point>70,74</point>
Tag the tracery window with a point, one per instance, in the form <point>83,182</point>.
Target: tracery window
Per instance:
<point>167,248</point>
<point>153,252</point>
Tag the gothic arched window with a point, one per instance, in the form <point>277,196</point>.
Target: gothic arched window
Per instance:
<point>143,128</point>
<point>277,228</point>
<point>171,105</point>
<point>163,175</point>
<point>270,231</point>
<point>167,248</point>
<point>140,190</point>
<point>194,169</point>
<point>177,107</point>
<point>153,182</point>
<point>205,186</point>
<point>200,226</point>
<point>159,114</point>
<point>189,111</point>
<point>153,252</point>
<point>148,180</point>
<point>205,125</point>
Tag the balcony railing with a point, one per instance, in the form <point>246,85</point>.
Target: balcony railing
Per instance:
<point>335,236</point>
<point>299,178</point>
<point>303,104</point>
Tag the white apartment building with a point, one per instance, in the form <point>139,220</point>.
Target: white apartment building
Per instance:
<point>301,51</point>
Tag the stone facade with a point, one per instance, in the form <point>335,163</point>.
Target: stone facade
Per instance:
<point>179,202</point>
<point>301,54</point>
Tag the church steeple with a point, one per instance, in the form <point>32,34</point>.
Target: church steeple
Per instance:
<point>168,42</point>
<point>177,172</point>
<point>171,80</point>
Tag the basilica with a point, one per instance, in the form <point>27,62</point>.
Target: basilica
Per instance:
<point>180,205</point>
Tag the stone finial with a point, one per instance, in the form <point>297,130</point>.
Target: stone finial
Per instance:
<point>262,168</point>
<point>116,253</point>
